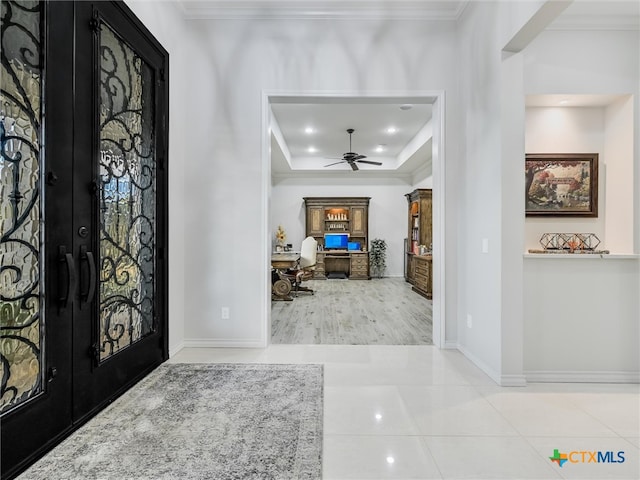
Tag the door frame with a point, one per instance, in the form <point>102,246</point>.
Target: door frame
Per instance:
<point>437,99</point>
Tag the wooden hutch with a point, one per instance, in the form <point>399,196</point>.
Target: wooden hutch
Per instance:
<point>419,263</point>
<point>340,215</point>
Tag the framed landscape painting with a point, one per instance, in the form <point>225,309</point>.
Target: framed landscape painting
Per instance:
<point>561,184</point>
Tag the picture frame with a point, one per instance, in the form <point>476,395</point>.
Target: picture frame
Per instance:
<point>561,184</point>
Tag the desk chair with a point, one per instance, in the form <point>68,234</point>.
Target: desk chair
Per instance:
<point>305,266</point>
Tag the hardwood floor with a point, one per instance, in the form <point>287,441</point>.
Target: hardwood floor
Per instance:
<point>352,312</point>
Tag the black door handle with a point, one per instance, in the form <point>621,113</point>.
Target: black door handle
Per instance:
<point>65,299</point>
<point>88,257</point>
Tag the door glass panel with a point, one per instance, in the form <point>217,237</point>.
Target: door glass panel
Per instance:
<point>127,193</point>
<point>21,319</point>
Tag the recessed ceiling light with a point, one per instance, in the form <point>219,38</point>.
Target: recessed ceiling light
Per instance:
<point>392,130</point>
<point>390,460</point>
<point>563,102</point>
<point>379,148</point>
<point>378,416</point>
<point>406,106</point>
<point>309,130</point>
<point>312,149</point>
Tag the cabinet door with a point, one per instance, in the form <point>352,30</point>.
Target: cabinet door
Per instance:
<point>319,272</point>
<point>358,222</point>
<point>426,214</point>
<point>315,221</point>
<point>410,273</point>
<point>422,274</point>
<point>359,266</point>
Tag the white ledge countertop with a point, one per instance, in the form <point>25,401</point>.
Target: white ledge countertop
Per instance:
<point>610,256</point>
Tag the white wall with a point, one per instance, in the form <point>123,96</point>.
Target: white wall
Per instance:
<point>228,66</point>
<point>493,83</point>
<point>164,20</point>
<point>512,228</point>
<point>581,314</point>
<point>593,62</point>
<point>387,212</point>
<point>568,130</point>
<point>618,148</point>
<point>478,187</point>
<point>224,264</point>
<point>581,319</point>
<point>424,183</point>
<point>598,62</point>
<point>607,131</point>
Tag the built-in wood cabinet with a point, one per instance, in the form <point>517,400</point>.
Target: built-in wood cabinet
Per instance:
<point>340,215</point>
<point>410,268</point>
<point>420,219</point>
<point>419,241</point>
<point>359,222</point>
<point>359,266</point>
<point>315,221</point>
<point>319,272</point>
<point>423,275</point>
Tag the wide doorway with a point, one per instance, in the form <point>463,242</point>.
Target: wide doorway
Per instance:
<point>346,312</point>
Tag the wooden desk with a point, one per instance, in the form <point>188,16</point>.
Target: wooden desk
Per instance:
<point>282,261</point>
<point>353,263</point>
<point>281,288</point>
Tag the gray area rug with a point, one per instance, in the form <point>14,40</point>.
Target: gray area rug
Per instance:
<point>201,421</point>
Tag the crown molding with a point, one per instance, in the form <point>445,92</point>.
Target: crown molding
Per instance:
<point>324,9</point>
<point>343,177</point>
<point>432,10</point>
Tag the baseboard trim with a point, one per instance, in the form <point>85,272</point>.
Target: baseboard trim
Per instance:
<point>173,351</point>
<point>450,346</point>
<point>513,381</point>
<point>542,376</point>
<point>502,380</point>
<point>480,364</point>
<point>222,343</point>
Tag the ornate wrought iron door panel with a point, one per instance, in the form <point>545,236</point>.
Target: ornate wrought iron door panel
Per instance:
<point>21,230</point>
<point>127,196</point>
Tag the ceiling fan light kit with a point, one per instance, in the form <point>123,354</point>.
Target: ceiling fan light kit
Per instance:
<point>351,157</point>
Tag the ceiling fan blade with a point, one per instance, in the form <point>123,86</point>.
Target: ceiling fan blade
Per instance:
<point>370,162</point>
<point>350,157</point>
<point>341,161</point>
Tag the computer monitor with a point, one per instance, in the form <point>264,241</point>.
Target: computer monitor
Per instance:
<point>336,241</point>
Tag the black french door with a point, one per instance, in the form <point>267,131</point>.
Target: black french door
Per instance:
<point>83,285</point>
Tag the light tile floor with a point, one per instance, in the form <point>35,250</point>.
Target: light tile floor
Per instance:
<point>417,412</point>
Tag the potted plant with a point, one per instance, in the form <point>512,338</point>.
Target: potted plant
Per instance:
<point>378,257</point>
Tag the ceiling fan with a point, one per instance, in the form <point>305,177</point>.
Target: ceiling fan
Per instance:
<point>351,157</point>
